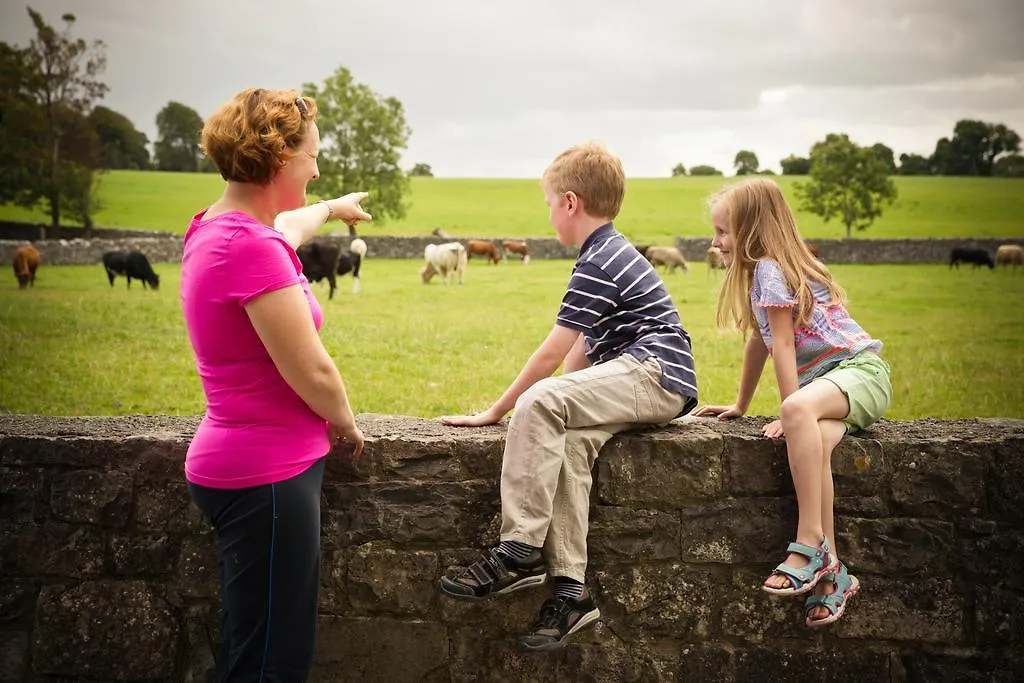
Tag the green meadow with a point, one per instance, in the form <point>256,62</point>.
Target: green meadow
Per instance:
<point>655,209</point>
<point>75,346</point>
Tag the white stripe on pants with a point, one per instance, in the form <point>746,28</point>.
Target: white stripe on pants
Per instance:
<point>556,432</point>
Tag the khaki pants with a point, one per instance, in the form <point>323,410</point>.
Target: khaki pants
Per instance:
<point>558,427</point>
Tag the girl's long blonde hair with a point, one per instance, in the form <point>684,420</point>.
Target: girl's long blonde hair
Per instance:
<point>763,226</point>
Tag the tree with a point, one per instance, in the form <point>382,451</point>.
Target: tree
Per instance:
<point>847,182</point>
<point>361,138</point>
<point>422,170</point>
<point>1009,166</point>
<point>746,162</point>
<point>974,148</point>
<point>704,170</point>
<point>120,144</point>
<point>885,155</point>
<point>678,170</point>
<point>914,164</point>
<point>179,128</point>
<point>794,165</point>
<point>63,87</point>
<point>22,131</point>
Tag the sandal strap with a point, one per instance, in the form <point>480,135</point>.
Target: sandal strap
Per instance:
<point>805,550</point>
<point>489,569</point>
<point>834,600</point>
<point>796,575</point>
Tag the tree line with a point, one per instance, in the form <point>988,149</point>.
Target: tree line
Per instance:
<point>56,141</point>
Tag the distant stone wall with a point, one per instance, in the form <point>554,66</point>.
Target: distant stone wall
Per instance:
<point>166,248</point>
<point>108,572</point>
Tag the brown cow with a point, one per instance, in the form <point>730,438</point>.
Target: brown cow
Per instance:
<point>670,257</point>
<point>1010,254</point>
<point>483,248</point>
<point>522,249</point>
<point>26,260</point>
<point>715,259</point>
<point>811,248</point>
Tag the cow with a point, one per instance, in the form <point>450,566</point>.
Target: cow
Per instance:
<point>130,264</point>
<point>483,248</point>
<point>446,260</point>
<point>973,255</point>
<point>667,256</point>
<point>642,248</point>
<point>320,262</point>
<point>350,262</point>
<point>521,249</point>
<point>811,248</point>
<point>26,261</point>
<point>438,232</point>
<point>715,259</point>
<point>1010,254</point>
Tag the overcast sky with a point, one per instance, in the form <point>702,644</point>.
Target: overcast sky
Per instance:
<point>497,89</point>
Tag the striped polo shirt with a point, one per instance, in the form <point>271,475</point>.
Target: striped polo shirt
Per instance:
<point>620,304</point>
<point>829,337</point>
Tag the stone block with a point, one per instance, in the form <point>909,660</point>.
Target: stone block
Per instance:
<point>14,650</point>
<point>922,611</point>
<point>165,505</point>
<point>753,616</point>
<point>941,667</point>
<point>91,497</point>
<point>379,650</point>
<point>885,546</point>
<point>142,553</point>
<point>658,470</point>
<point>999,618</point>
<point>739,530</point>
<point>196,573</point>
<point>623,534</point>
<point>659,600</point>
<point>834,664</point>
<point>27,450</point>
<point>938,479</point>
<point>757,466</point>
<point>1003,481</point>
<point>382,580</point>
<point>17,599</point>
<point>116,631</point>
<point>22,498</point>
<point>990,560</point>
<point>51,549</point>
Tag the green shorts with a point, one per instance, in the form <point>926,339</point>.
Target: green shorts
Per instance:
<point>864,379</point>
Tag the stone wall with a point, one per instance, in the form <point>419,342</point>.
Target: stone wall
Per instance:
<point>108,573</point>
<point>166,248</point>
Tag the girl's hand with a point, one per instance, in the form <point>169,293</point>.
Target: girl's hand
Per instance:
<point>722,412</point>
<point>350,436</point>
<point>486,417</point>
<point>348,210</point>
<point>773,430</point>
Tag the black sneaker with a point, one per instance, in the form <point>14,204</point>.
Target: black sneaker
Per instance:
<point>496,575</point>
<point>559,618</point>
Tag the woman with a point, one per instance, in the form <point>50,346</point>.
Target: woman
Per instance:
<point>275,401</point>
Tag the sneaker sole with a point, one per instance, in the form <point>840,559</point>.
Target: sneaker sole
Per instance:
<point>526,582</point>
<point>586,620</point>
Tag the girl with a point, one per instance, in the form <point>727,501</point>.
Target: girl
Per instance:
<point>831,378</point>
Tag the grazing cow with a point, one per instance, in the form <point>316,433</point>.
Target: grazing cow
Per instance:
<point>973,255</point>
<point>1010,254</point>
<point>350,262</point>
<point>483,248</point>
<point>26,261</point>
<point>130,264</point>
<point>715,259</point>
<point>320,262</point>
<point>642,248</point>
<point>446,260</point>
<point>667,256</point>
<point>811,248</point>
<point>438,232</point>
<point>522,249</point>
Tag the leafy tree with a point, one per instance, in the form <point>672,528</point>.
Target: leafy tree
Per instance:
<point>794,165</point>
<point>120,144</point>
<point>746,162</point>
<point>974,148</point>
<point>1009,166</point>
<point>885,155</point>
<point>422,170</point>
<point>847,182</point>
<point>704,170</point>
<point>22,131</point>
<point>362,135</point>
<point>179,128</point>
<point>914,164</point>
<point>62,86</point>
<point>678,170</point>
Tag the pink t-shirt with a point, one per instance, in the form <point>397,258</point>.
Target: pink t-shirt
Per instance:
<point>256,429</point>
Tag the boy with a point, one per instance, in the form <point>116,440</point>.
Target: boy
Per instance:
<point>627,362</point>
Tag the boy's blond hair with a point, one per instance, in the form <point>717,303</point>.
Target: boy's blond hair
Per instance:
<point>763,226</point>
<point>593,173</point>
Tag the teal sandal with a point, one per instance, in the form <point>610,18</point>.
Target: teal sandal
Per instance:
<point>803,579</point>
<point>845,586</point>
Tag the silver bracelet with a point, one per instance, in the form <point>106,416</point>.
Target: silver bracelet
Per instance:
<point>330,211</point>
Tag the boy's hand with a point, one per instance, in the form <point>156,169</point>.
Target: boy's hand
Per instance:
<point>722,412</point>
<point>773,430</point>
<point>486,417</point>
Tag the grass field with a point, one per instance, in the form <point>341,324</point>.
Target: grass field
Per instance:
<point>655,208</point>
<point>75,346</point>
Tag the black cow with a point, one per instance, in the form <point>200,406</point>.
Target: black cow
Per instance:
<point>131,264</point>
<point>978,257</point>
<point>323,260</point>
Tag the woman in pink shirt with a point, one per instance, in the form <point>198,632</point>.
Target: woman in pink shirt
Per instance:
<point>275,400</point>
